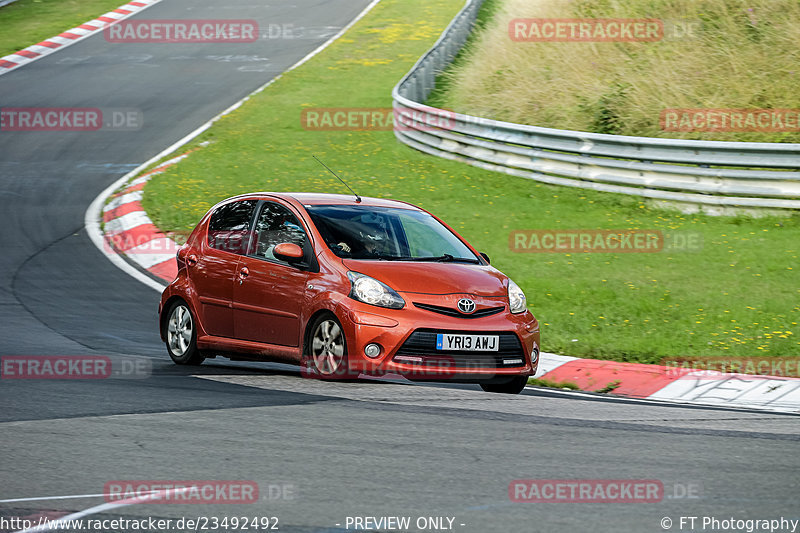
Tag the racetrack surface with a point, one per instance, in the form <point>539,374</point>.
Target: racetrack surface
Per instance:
<point>345,449</point>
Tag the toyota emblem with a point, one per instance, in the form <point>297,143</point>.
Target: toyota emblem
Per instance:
<point>466,306</point>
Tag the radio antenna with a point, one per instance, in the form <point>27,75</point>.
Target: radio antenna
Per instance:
<point>358,198</point>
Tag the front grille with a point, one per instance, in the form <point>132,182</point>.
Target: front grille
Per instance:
<point>422,344</point>
<point>449,311</point>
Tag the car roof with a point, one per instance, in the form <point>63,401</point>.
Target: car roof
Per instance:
<point>310,198</point>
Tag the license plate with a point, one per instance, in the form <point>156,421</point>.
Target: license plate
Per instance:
<point>467,343</point>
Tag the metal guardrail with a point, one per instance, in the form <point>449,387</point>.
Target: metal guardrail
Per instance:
<point>707,172</point>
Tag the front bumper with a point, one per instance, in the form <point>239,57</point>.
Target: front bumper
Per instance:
<point>407,340</point>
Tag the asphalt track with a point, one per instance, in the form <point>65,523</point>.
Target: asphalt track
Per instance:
<point>340,449</point>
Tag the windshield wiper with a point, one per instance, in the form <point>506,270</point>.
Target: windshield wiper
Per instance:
<point>446,258</point>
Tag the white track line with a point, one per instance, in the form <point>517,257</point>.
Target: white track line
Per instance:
<point>92,216</point>
<point>45,498</point>
<point>56,523</point>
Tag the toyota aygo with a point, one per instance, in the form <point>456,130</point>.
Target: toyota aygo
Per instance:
<point>343,286</point>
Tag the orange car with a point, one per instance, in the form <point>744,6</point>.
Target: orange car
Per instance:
<point>346,286</point>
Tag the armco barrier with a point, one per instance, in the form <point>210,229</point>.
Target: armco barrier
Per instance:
<point>708,172</point>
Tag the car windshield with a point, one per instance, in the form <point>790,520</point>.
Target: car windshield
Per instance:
<point>386,233</point>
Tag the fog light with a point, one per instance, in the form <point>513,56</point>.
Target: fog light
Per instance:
<point>372,350</point>
<point>534,355</point>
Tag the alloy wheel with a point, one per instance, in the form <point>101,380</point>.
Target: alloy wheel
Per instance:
<point>328,348</point>
<point>179,330</point>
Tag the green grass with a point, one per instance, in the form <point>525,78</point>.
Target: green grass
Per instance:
<point>27,22</point>
<point>719,54</point>
<point>738,297</point>
<point>610,387</point>
<point>447,80</point>
<point>536,382</point>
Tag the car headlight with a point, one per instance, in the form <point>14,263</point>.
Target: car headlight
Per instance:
<point>371,291</point>
<point>516,298</point>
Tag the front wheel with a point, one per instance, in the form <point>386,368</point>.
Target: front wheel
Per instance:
<point>513,386</point>
<point>182,336</point>
<point>325,354</point>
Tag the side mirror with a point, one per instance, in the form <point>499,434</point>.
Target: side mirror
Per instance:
<point>289,252</point>
<point>486,257</point>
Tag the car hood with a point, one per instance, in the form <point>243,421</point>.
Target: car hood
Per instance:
<point>434,278</point>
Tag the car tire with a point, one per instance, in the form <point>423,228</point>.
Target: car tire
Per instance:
<point>514,385</point>
<point>181,335</point>
<point>325,351</point>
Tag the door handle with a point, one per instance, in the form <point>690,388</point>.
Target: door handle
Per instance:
<point>243,273</point>
<point>191,260</point>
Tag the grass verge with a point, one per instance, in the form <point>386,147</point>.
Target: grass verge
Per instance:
<point>717,54</point>
<point>737,296</point>
<point>27,22</point>
<point>536,382</point>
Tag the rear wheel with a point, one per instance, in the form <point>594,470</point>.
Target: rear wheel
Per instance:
<point>182,335</point>
<point>513,386</point>
<point>326,350</point>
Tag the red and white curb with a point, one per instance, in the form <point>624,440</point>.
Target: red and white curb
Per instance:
<point>127,230</point>
<point>674,384</point>
<point>62,40</point>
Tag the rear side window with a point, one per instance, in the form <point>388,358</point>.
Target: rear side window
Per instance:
<point>229,225</point>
